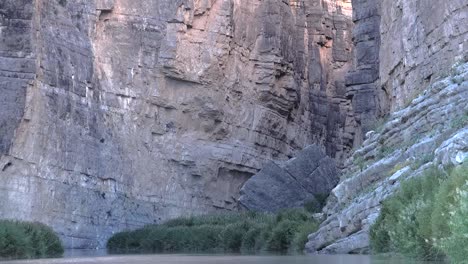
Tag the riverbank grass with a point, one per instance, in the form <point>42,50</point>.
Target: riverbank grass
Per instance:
<point>23,240</point>
<point>247,232</point>
<point>427,219</point>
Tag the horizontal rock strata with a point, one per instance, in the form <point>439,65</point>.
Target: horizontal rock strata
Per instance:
<point>431,131</point>
<point>119,113</point>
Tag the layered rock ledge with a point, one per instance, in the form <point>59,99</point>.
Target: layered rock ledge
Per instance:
<point>119,113</point>
<point>431,131</point>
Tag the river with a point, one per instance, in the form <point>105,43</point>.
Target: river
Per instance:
<point>212,259</point>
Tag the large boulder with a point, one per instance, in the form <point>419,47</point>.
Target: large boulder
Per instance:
<point>307,178</point>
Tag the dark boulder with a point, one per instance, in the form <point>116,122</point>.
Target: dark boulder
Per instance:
<point>306,178</point>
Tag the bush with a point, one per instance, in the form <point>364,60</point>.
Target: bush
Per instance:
<point>453,201</point>
<point>234,232</point>
<point>281,236</point>
<point>427,218</point>
<point>316,205</point>
<point>300,238</point>
<point>402,225</point>
<point>28,240</point>
<point>233,235</point>
<point>253,241</point>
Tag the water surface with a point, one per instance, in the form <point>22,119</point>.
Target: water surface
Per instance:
<point>98,258</point>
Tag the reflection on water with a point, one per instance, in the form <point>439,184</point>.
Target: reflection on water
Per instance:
<point>98,257</point>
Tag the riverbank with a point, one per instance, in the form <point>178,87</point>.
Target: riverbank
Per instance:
<point>25,240</point>
<point>247,232</point>
<point>219,259</point>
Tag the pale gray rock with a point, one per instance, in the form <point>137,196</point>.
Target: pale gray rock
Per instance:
<point>427,133</point>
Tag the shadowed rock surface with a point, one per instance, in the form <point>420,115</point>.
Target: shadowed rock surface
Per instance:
<point>311,174</point>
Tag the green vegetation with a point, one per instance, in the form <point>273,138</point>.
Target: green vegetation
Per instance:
<point>421,161</point>
<point>460,122</point>
<point>359,161</point>
<point>379,124</point>
<point>250,232</point>
<point>28,240</point>
<point>427,219</point>
<point>398,167</point>
<point>385,151</point>
<point>316,205</point>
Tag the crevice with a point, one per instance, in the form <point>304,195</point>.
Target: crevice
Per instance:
<point>105,14</point>
<point>8,165</point>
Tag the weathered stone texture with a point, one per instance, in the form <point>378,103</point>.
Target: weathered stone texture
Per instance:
<point>302,179</point>
<point>363,81</point>
<point>123,113</point>
<point>421,40</point>
<point>400,48</point>
<point>17,66</point>
<point>427,133</point>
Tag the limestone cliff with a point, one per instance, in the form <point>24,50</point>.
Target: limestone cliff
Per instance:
<point>411,58</point>
<point>119,113</point>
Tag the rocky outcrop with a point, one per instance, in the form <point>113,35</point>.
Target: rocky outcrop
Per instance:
<point>420,41</point>
<point>306,178</point>
<point>119,113</point>
<point>431,131</point>
<point>402,48</point>
<point>362,82</point>
<point>17,66</point>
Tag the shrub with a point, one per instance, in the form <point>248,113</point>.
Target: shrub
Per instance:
<point>402,225</point>
<point>450,218</point>
<point>316,205</point>
<point>281,236</point>
<point>28,240</point>
<point>460,122</point>
<point>427,218</point>
<point>13,241</point>
<point>300,238</point>
<point>296,215</point>
<point>233,235</point>
<point>234,232</point>
<point>252,241</point>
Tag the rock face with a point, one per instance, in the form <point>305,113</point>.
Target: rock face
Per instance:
<point>401,47</point>
<point>119,113</point>
<point>404,53</point>
<point>431,36</point>
<point>309,176</point>
<point>431,131</point>
<point>362,82</point>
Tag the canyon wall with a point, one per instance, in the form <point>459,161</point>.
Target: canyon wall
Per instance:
<point>412,57</point>
<point>119,113</point>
